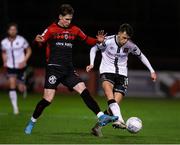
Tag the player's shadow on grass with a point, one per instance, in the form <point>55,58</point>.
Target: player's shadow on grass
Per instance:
<point>124,136</point>
<point>88,134</point>
<point>72,133</point>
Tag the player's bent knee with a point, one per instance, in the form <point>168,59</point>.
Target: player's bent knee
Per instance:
<point>80,87</point>
<point>109,94</point>
<point>22,88</point>
<point>49,94</point>
<point>48,98</point>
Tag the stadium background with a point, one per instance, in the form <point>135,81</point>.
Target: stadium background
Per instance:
<point>156,25</point>
<point>157,28</point>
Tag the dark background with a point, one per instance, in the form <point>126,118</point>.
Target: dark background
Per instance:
<point>156,24</point>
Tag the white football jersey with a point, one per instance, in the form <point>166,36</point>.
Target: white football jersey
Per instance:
<point>115,57</point>
<point>14,50</point>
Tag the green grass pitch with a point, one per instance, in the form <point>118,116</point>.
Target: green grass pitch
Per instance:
<point>68,120</point>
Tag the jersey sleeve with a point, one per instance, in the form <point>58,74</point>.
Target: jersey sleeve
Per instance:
<point>25,43</point>
<point>135,50</point>
<point>146,62</point>
<point>2,47</point>
<point>87,39</point>
<point>93,51</point>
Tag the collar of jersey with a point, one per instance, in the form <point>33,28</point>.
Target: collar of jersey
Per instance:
<point>115,38</point>
<point>63,27</point>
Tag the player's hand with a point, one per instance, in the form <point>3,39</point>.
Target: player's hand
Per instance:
<point>154,76</point>
<point>101,36</point>
<point>89,68</point>
<point>22,64</point>
<point>39,38</point>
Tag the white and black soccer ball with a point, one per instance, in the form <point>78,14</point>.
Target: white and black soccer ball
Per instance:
<point>134,124</point>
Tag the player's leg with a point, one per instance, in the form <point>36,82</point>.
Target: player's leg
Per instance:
<point>112,104</point>
<point>21,82</point>
<point>51,83</point>
<point>108,91</point>
<point>87,98</point>
<point>46,101</point>
<point>12,77</point>
<point>73,81</point>
<point>13,93</point>
<point>120,122</point>
<point>22,88</point>
<point>91,103</point>
<point>109,79</point>
<point>118,97</point>
<point>120,89</point>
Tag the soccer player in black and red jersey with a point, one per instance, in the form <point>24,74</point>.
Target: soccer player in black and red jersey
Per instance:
<point>59,38</point>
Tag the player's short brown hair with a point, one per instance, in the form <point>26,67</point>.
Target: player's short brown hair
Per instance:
<point>126,28</point>
<point>66,9</point>
<point>12,24</point>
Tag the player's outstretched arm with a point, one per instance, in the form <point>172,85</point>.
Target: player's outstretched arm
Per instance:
<point>146,62</point>
<point>93,51</point>
<point>90,40</point>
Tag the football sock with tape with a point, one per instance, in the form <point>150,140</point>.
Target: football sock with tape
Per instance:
<point>113,105</point>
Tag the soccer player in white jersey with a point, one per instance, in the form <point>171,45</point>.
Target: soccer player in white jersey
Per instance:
<point>113,70</point>
<point>15,53</point>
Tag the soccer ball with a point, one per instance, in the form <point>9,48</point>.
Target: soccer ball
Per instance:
<point>134,124</point>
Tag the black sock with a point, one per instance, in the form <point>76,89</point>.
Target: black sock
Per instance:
<point>90,102</point>
<point>111,101</point>
<point>40,107</point>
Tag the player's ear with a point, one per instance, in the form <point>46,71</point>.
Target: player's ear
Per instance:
<point>60,17</point>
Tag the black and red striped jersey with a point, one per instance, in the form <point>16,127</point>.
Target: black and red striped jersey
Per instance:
<point>60,43</point>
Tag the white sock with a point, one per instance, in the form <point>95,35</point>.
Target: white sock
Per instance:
<point>13,97</point>
<point>100,114</point>
<point>33,119</point>
<point>116,111</point>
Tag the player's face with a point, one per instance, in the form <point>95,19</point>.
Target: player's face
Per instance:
<point>65,21</point>
<point>12,31</point>
<point>123,38</point>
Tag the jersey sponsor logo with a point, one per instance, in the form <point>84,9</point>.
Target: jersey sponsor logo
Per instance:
<point>65,36</point>
<point>52,79</point>
<point>64,44</point>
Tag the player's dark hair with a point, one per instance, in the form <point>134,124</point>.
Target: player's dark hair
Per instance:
<point>12,24</point>
<point>66,9</point>
<point>126,28</point>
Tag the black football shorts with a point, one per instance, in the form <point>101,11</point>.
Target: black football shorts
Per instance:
<point>57,74</point>
<point>120,82</point>
<point>18,73</point>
